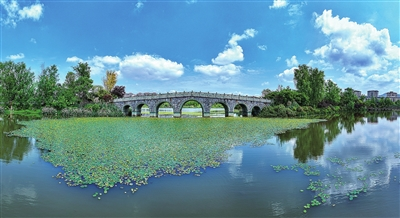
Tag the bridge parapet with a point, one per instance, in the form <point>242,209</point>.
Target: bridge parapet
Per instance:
<point>194,94</point>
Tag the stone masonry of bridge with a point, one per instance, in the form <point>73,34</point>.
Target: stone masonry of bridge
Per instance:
<point>250,105</point>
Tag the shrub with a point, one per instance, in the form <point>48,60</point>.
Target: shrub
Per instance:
<point>49,112</point>
<point>1,110</point>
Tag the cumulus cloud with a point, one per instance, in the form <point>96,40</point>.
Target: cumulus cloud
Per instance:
<point>136,66</point>
<point>139,66</point>
<point>357,48</point>
<point>287,75</point>
<point>215,70</point>
<point>16,57</point>
<point>279,4</point>
<point>292,61</point>
<point>233,52</point>
<point>223,64</point>
<point>13,13</point>
<point>278,59</point>
<point>391,76</point>
<point>74,59</point>
<point>33,40</point>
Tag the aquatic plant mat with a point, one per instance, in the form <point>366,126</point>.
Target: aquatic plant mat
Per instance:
<point>108,151</point>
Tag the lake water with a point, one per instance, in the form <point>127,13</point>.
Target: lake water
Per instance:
<point>350,153</point>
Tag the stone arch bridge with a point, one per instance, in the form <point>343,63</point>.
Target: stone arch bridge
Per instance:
<point>250,105</point>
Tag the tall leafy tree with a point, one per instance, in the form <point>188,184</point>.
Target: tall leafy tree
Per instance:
<point>348,99</point>
<point>47,87</point>
<point>110,80</point>
<point>332,93</point>
<point>16,85</point>
<point>310,81</point>
<point>83,83</point>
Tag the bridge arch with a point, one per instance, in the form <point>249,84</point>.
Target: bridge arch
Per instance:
<point>225,106</point>
<point>244,109</point>
<point>180,106</point>
<point>159,103</point>
<point>127,109</point>
<point>255,110</point>
<point>137,110</point>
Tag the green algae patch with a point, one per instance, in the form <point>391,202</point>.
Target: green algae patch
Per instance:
<point>108,151</point>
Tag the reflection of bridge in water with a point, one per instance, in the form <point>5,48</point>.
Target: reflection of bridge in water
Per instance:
<point>250,105</point>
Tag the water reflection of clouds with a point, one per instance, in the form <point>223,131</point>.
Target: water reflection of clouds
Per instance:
<point>365,143</point>
<point>13,195</point>
<point>235,160</point>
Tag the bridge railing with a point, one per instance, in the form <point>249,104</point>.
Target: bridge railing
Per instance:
<point>193,94</point>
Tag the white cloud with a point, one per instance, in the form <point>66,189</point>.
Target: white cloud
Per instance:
<point>278,59</point>
<point>139,5</point>
<point>33,40</point>
<point>191,1</point>
<point>136,66</point>
<point>16,57</point>
<point>279,4</point>
<point>14,14</point>
<point>265,83</point>
<point>308,51</point>
<point>292,62</point>
<point>262,47</point>
<point>357,48</point>
<point>295,10</point>
<point>391,76</point>
<point>233,52</point>
<point>140,66</point>
<point>74,59</point>
<point>215,70</point>
<point>33,12</point>
<point>287,75</point>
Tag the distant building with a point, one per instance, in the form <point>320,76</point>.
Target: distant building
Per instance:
<point>372,94</point>
<point>357,93</point>
<point>392,96</point>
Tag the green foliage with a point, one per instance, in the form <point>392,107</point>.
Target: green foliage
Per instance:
<point>310,82</point>
<point>192,104</point>
<point>16,85</point>
<point>83,83</point>
<point>86,147</point>
<point>1,110</point>
<point>47,88</point>
<point>332,93</point>
<point>348,99</point>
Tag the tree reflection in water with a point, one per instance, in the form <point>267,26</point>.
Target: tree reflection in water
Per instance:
<point>12,148</point>
<point>309,143</point>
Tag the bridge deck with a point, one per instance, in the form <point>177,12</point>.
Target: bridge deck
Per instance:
<point>195,94</point>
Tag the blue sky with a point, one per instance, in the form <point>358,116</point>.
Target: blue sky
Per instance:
<point>239,47</point>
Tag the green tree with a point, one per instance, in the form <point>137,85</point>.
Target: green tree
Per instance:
<point>83,83</point>
<point>348,99</point>
<point>47,87</point>
<point>310,81</point>
<point>332,93</point>
<point>66,94</point>
<point>16,85</point>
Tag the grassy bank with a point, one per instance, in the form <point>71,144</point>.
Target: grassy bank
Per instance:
<point>106,151</point>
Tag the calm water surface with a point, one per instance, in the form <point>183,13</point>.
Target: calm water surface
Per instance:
<point>244,186</point>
